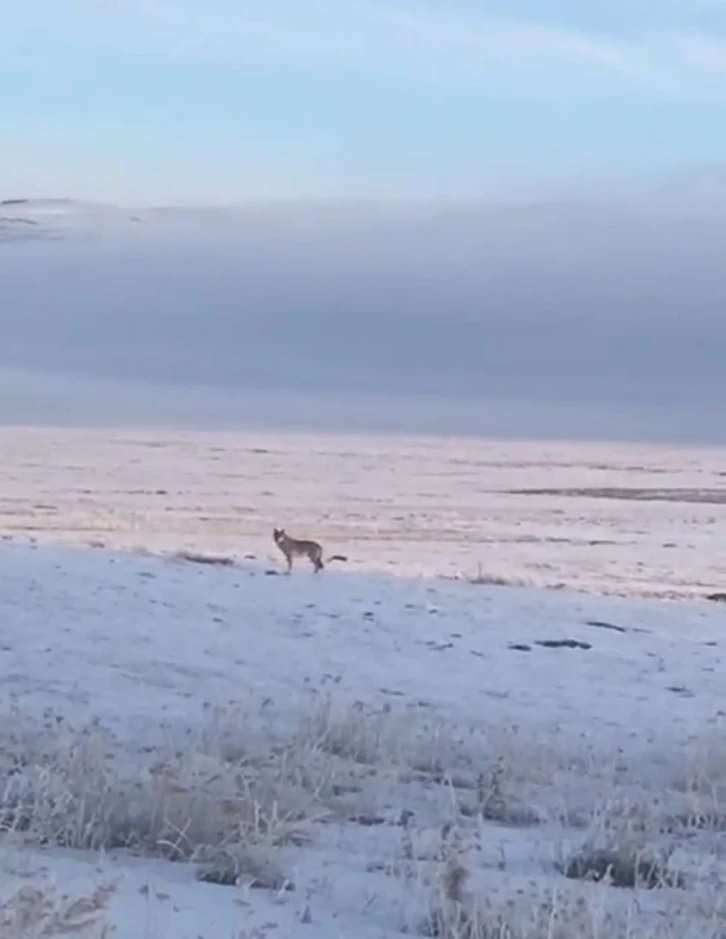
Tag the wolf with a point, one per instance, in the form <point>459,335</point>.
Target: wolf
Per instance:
<point>294,547</point>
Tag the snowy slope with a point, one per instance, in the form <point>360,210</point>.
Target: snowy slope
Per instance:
<point>359,698</point>
<point>122,637</point>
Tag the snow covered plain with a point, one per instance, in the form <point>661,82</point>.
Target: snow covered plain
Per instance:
<point>528,513</point>
<point>216,750</point>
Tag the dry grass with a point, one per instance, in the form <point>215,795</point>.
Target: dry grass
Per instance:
<point>69,788</point>
<point>235,797</point>
<point>41,912</point>
<point>622,867</point>
<point>484,578</point>
<point>461,905</point>
<point>243,866</point>
<point>537,914</point>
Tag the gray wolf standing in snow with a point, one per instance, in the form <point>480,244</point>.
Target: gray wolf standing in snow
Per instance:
<point>294,547</point>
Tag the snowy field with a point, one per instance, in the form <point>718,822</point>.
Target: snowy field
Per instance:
<point>396,746</point>
<point>627,520</point>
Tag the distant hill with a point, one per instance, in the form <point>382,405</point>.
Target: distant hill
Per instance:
<point>51,219</point>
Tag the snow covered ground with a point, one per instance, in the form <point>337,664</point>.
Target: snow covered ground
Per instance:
<point>420,506</point>
<point>375,750</point>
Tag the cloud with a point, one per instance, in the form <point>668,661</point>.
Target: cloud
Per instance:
<point>522,43</point>
<point>375,35</point>
<point>706,54</point>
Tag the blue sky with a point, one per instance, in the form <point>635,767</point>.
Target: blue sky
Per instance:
<point>150,101</point>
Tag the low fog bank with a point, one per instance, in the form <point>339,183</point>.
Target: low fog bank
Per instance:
<point>557,319</point>
<point>41,399</point>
